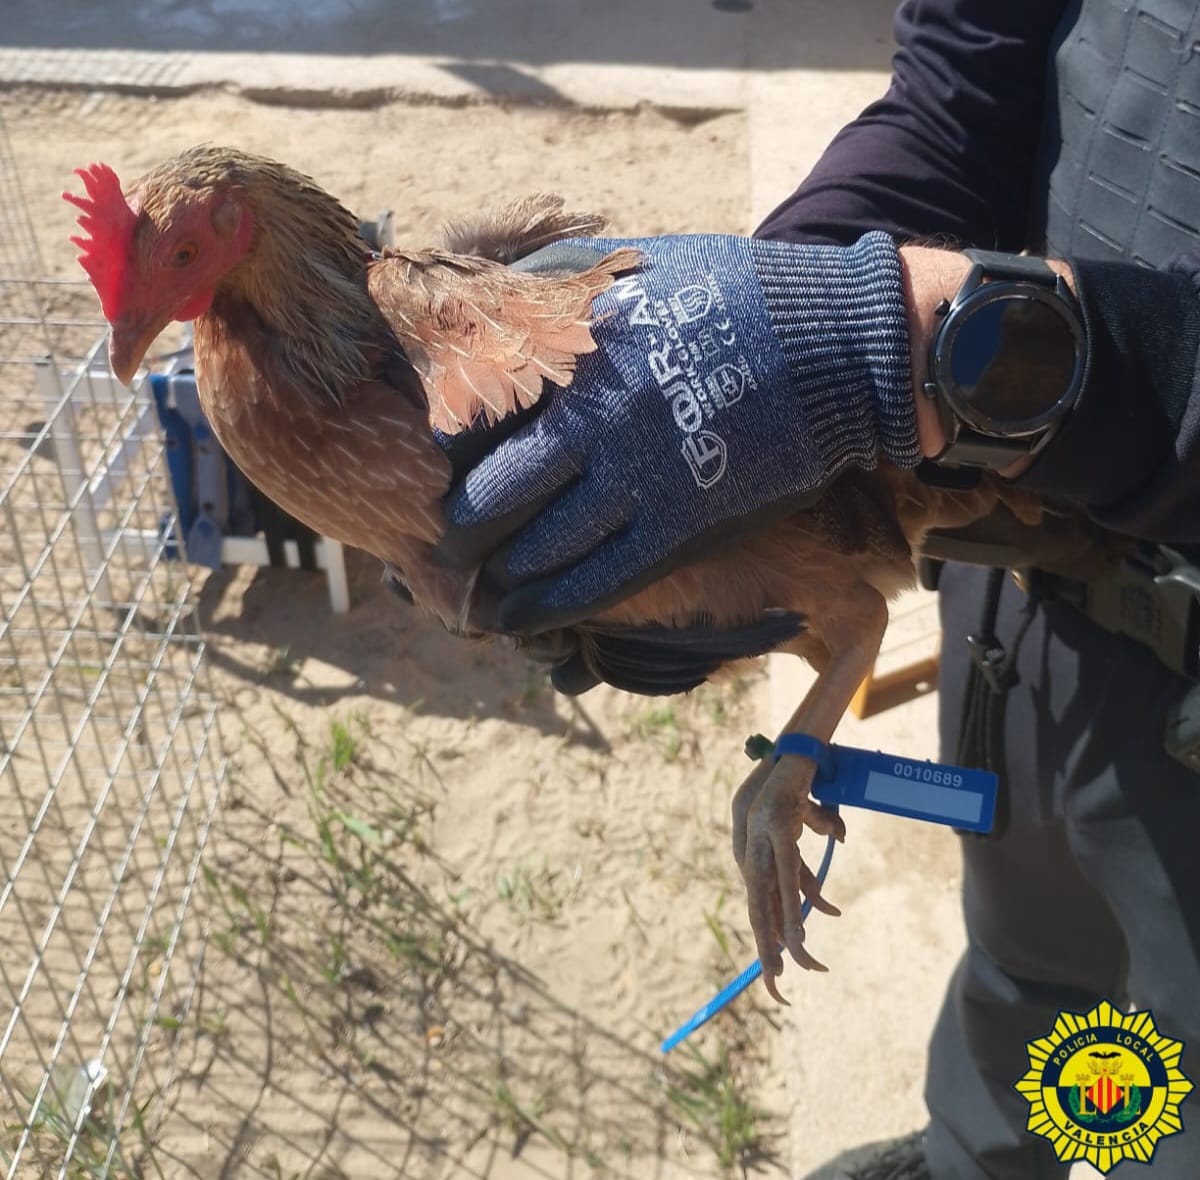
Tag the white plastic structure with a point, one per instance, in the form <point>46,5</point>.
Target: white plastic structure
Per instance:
<point>96,384</point>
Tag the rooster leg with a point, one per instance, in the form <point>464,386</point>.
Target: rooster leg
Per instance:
<point>773,805</point>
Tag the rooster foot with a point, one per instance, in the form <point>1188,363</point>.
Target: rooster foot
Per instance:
<point>770,810</point>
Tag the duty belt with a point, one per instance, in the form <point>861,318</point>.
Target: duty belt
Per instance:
<point>1152,598</point>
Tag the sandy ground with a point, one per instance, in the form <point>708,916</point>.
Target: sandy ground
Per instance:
<point>452,913</point>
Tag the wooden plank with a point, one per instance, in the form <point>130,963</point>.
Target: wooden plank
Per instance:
<point>877,693</point>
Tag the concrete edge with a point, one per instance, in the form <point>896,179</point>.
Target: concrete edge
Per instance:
<point>366,83</point>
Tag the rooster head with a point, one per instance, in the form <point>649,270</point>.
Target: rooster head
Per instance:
<point>156,255</point>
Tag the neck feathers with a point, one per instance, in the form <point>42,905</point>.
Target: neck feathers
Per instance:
<point>305,280</point>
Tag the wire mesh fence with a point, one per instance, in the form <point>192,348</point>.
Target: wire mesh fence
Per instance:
<point>110,759</point>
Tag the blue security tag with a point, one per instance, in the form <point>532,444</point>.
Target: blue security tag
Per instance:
<point>930,791</point>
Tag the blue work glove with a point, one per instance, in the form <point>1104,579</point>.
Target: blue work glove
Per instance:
<point>733,378</point>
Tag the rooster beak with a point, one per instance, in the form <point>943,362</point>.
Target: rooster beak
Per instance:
<point>130,338</point>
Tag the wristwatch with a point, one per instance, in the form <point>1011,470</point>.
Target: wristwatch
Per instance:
<point>1007,361</point>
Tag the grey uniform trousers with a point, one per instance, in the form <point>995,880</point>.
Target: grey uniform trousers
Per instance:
<point>1092,892</point>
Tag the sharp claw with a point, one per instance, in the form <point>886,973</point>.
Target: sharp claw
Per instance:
<point>773,991</point>
<point>805,960</point>
<point>825,907</point>
<point>810,887</point>
<point>795,945</point>
<point>824,821</point>
<point>800,954</point>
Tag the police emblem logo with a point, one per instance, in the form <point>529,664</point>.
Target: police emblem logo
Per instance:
<point>1104,1086</point>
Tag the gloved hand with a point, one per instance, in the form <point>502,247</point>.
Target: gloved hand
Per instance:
<point>733,378</point>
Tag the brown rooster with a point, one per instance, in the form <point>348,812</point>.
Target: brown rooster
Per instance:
<point>323,368</point>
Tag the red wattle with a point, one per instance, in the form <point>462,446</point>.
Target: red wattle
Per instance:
<point>194,307</point>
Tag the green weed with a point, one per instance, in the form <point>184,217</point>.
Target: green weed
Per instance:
<point>707,1096</point>
<point>535,893</point>
<point>661,726</point>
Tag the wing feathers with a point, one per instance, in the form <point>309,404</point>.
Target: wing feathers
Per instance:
<point>484,338</point>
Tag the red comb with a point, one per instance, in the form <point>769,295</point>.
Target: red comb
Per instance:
<point>107,222</point>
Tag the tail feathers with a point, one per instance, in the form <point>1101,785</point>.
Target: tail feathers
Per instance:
<point>520,229</point>
<point>660,661</point>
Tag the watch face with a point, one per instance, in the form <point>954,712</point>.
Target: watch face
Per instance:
<point>1011,358</point>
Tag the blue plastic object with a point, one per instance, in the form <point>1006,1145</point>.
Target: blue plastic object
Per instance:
<point>736,986</point>
<point>939,794</point>
<point>177,436</point>
<point>930,791</point>
<point>212,496</point>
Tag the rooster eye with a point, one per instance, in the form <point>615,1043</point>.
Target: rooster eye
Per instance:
<point>184,254</point>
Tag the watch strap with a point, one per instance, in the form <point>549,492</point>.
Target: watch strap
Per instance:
<point>1013,266</point>
<point>972,449</point>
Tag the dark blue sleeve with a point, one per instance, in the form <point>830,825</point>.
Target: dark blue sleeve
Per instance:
<point>1130,450</point>
<point>948,152</point>
<point>948,156</point>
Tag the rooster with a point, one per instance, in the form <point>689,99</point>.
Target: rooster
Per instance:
<point>324,370</point>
